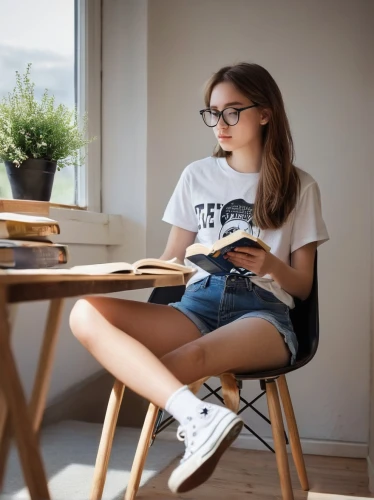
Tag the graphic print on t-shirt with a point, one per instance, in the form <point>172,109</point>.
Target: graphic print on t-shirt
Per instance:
<point>234,215</point>
<point>237,214</point>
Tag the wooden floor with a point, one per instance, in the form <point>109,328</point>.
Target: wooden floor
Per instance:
<point>245,474</point>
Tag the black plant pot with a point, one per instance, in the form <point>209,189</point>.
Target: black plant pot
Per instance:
<point>32,180</point>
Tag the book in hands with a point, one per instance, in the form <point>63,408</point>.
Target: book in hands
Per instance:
<point>212,259</point>
<point>31,227</point>
<point>23,254</point>
<point>142,266</point>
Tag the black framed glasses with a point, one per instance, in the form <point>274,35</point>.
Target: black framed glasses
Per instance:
<point>229,115</point>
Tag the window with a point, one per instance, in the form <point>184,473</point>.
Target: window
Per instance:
<point>47,34</point>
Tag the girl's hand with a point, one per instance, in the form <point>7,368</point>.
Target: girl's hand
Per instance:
<point>253,259</point>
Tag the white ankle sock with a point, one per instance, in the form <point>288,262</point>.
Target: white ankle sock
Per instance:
<point>182,404</point>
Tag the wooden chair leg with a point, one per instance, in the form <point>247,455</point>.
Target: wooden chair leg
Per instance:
<point>106,441</point>
<point>279,440</point>
<point>144,442</point>
<point>195,386</point>
<point>230,391</point>
<point>141,452</point>
<point>294,437</point>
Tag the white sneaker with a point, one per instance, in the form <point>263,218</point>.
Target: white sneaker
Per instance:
<point>207,434</point>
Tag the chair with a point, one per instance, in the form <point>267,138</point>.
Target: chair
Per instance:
<point>305,320</point>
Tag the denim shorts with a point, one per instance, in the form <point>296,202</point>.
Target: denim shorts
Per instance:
<point>216,300</point>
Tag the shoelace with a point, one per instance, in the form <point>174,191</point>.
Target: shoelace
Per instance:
<point>181,433</point>
<point>182,436</point>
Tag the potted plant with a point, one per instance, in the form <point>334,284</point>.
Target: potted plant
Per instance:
<point>36,138</point>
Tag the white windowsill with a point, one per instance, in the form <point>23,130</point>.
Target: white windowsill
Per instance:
<point>88,228</point>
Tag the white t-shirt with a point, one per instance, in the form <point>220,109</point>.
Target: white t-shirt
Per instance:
<point>213,200</point>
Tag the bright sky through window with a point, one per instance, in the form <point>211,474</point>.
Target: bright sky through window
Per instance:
<point>40,32</point>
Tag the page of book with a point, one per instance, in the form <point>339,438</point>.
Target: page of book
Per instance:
<point>236,236</point>
<point>10,216</point>
<point>172,264</point>
<point>104,268</point>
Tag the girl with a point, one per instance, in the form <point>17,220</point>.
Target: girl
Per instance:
<point>234,322</point>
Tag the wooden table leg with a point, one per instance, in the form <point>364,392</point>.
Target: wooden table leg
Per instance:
<point>5,428</point>
<point>42,378</point>
<point>3,414</point>
<point>12,309</point>
<point>41,384</point>
<point>43,374</point>
<point>27,445</point>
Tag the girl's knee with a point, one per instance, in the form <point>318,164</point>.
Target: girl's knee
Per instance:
<point>80,321</point>
<point>190,358</point>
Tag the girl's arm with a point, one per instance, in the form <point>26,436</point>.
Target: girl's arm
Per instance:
<point>179,239</point>
<point>296,279</point>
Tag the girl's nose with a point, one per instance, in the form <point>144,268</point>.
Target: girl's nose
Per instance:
<point>221,123</point>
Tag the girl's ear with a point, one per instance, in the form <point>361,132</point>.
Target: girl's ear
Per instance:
<point>264,116</point>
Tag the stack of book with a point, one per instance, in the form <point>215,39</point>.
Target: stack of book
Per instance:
<point>25,243</point>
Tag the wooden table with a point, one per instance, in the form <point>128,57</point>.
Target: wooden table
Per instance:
<point>16,416</point>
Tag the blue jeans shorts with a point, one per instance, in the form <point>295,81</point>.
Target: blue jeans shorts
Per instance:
<point>216,300</point>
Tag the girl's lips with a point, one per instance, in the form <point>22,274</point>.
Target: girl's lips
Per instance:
<point>223,137</point>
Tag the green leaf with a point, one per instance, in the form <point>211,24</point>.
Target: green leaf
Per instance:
<point>40,129</point>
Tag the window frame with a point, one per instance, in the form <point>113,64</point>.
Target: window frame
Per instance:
<point>89,98</point>
<point>84,223</point>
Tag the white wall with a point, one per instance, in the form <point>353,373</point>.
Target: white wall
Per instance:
<point>125,118</point>
<point>124,133</point>
<point>319,53</point>
<point>371,429</point>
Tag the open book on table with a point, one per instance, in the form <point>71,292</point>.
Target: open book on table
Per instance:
<point>142,266</point>
<point>211,258</point>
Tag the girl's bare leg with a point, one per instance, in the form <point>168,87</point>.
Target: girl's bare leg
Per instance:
<point>128,337</point>
<point>103,326</point>
<point>247,345</point>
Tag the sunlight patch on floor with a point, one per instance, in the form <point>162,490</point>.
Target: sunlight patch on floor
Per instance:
<point>326,496</point>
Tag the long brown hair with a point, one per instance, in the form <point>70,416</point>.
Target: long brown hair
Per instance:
<point>279,182</point>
